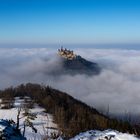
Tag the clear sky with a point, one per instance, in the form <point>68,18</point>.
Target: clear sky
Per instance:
<point>69,21</point>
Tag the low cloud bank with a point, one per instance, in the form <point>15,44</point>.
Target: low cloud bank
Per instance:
<point>116,88</point>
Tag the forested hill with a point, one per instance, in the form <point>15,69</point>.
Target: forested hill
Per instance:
<point>80,65</point>
<point>71,115</point>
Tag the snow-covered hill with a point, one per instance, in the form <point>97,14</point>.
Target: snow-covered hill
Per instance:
<point>104,135</point>
<point>43,123</point>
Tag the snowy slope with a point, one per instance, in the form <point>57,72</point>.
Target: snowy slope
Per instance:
<point>104,135</point>
<point>43,123</point>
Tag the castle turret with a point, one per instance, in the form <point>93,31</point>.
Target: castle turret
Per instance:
<point>68,54</point>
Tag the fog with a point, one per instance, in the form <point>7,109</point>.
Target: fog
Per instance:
<point>117,87</point>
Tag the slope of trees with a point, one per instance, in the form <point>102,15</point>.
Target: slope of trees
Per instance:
<point>71,115</point>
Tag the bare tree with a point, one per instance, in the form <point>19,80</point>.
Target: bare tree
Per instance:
<point>29,117</point>
<point>18,118</point>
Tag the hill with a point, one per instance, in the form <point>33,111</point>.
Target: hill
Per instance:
<point>71,115</point>
<point>79,65</point>
<point>75,64</point>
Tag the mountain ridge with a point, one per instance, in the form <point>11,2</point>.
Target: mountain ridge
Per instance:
<point>71,115</point>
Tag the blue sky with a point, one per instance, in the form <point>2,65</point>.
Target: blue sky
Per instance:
<point>69,21</point>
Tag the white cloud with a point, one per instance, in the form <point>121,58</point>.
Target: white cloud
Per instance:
<point>118,85</point>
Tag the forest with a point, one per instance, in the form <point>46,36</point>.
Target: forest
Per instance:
<point>71,115</point>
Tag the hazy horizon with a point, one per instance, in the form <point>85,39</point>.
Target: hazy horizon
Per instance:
<point>74,46</point>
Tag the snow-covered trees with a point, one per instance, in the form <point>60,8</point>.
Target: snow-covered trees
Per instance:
<point>8,131</point>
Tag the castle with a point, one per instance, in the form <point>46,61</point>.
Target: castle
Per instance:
<point>68,54</point>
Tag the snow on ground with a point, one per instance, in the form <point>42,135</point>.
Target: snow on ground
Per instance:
<point>104,135</point>
<point>43,123</point>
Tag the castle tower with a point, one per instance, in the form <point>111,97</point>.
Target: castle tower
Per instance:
<point>65,53</point>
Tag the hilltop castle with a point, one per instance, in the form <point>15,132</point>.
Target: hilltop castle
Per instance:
<point>68,54</point>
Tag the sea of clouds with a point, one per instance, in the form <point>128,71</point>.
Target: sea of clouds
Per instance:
<point>116,89</point>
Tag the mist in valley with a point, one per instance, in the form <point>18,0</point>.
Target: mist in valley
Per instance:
<point>116,88</point>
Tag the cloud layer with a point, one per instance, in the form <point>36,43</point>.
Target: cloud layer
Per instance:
<point>117,87</point>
